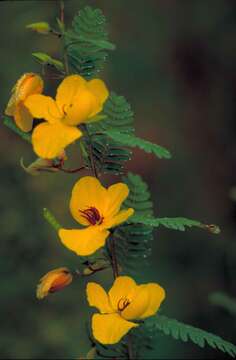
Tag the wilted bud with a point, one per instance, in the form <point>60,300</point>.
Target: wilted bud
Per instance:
<point>38,166</point>
<point>53,281</point>
<point>40,27</point>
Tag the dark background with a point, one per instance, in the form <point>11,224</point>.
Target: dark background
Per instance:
<point>175,63</point>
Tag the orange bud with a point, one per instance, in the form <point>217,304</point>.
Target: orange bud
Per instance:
<point>53,281</point>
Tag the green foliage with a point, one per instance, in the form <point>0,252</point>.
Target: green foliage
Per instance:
<point>134,141</point>
<point>109,155</point>
<point>11,125</point>
<point>45,59</point>
<point>117,351</point>
<point>141,343</point>
<point>87,42</point>
<point>133,241</point>
<point>224,301</point>
<point>181,331</point>
<point>178,223</point>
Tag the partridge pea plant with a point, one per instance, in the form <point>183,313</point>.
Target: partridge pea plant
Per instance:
<point>115,222</point>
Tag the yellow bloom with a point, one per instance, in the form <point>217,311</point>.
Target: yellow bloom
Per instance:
<point>124,302</point>
<point>97,208</point>
<point>53,281</point>
<point>77,101</point>
<point>27,85</point>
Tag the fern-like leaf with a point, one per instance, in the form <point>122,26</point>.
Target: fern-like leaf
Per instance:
<point>133,241</point>
<point>184,332</point>
<point>178,223</point>
<point>109,155</point>
<point>133,141</point>
<point>87,42</point>
<point>224,301</point>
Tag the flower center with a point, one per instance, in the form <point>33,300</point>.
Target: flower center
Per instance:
<point>92,215</point>
<point>122,304</point>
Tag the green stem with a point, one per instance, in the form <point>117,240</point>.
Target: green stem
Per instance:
<point>129,347</point>
<point>62,18</point>
<point>72,171</point>
<point>114,263</point>
<point>94,170</point>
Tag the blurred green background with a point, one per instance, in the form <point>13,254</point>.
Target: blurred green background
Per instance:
<point>175,63</point>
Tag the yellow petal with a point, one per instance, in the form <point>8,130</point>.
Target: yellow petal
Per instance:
<point>11,106</point>
<point>98,298</point>
<point>98,88</point>
<point>156,296</point>
<point>124,287</point>
<point>117,194</point>
<point>49,140</point>
<point>23,118</point>
<point>43,107</point>
<point>87,192</point>
<point>138,305</point>
<point>84,242</point>
<point>109,329</point>
<point>121,217</point>
<point>31,84</point>
<point>80,108</point>
<point>68,89</point>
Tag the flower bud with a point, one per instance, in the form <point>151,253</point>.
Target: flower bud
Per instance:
<point>40,27</point>
<point>53,281</point>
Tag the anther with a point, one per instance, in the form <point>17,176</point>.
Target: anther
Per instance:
<point>122,304</point>
<point>92,215</point>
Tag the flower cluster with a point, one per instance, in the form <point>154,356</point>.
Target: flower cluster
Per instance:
<point>77,101</point>
<point>96,209</point>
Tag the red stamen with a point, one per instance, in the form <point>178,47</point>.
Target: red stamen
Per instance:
<point>92,215</point>
<point>122,304</point>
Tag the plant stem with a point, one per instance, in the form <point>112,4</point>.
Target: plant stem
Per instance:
<point>62,18</point>
<point>72,171</point>
<point>114,263</point>
<point>129,347</point>
<point>94,170</point>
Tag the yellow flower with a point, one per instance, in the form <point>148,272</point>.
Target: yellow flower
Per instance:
<point>27,85</point>
<point>98,208</point>
<point>77,101</point>
<point>124,302</point>
<point>53,281</point>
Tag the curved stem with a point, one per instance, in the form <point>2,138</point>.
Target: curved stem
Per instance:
<point>62,18</point>
<point>114,258</point>
<point>72,171</point>
<point>129,347</point>
<point>93,165</point>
